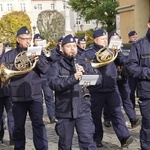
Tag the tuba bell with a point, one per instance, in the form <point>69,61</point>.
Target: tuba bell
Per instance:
<point>22,62</point>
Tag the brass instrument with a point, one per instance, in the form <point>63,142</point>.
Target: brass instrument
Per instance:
<point>88,37</point>
<point>105,56</point>
<point>22,62</point>
<point>86,94</point>
<point>46,52</point>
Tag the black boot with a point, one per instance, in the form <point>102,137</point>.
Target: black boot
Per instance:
<point>99,144</point>
<point>135,122</point>
<point>107,123</point>
<point>125,142</point>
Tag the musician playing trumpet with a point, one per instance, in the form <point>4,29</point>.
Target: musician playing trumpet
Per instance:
<point>26,92</point>
<point>72,110</point>
<point>47,91</point>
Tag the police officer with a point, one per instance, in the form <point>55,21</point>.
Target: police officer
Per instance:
<point>132,36</point>
<point>138,65</point>
<point>7,47</point>
<point>72,110</point>
<point>47,91</point>
<point>56,53</point>
<point>124,89</point>
<point>5,102</point>
<point>26,94</point>
<point>106,94</point>
<point>81,45</point>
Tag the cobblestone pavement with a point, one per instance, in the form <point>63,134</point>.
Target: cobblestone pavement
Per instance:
<point>110,140</point>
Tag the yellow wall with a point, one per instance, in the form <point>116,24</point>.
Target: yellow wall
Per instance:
<point>134,15</point>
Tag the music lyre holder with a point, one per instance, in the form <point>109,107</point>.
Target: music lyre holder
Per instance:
<point>85,81</point>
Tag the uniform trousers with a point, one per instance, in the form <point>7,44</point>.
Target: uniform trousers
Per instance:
<point>6,103</point>
<point>35,110</point>
<point>113,102</point>
<point>145,128</point>
<point>85,129</point>
<point>49,99</point>
<point>125,91</point>
<point>133,87</point>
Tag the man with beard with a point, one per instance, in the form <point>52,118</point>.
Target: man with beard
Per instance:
<point>138,65</point>
<point>72,110</point>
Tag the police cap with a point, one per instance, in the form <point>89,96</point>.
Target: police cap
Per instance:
<point>60,39</point>
<point>99,32</point>
<point>23,30</point>
<point>132,33</point>
<point>37,36</point>
<point>81,38</point>
<point>7,44</point>
<point>68,39</point>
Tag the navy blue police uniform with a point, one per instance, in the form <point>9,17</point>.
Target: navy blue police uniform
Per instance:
<point>124,89</point>
<point>132,81</point>
<point>26,96</point>
<point>72,110</point>
<point>106,94</point>
<point>47,91</point>
<point>6,103</point>
<point>138,65</point>
<point>81,50</point>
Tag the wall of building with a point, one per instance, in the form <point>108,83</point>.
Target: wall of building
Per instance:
<point>134,15</point>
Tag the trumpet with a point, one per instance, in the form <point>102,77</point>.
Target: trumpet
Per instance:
<point>46,52</point>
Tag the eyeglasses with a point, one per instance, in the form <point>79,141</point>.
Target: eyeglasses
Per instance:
<point>26,39</point>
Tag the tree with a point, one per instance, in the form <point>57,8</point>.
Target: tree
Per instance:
<point>104,11</point>
<point>51,24</point>
<point>10,23</point>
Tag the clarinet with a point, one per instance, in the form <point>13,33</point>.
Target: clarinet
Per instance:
<point>86,94</point>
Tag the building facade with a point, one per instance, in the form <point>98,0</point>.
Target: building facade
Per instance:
<point>133,15</point>
<point>73,22</point>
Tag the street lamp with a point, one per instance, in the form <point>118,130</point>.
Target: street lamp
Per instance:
<point>34,29</point>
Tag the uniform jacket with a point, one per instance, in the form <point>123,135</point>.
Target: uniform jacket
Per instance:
<point>138,64</point>
<point>4,91</point>
<point>26,87</point>
<point>109,72</point>
<point>80,50</point>
<point>69,101</point>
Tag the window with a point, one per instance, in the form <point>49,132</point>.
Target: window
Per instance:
<point>23,6</point>
<point>39,7</point>
<point>1,7</point>
<point>78,20</point>
<point>64,6</point>
<point>9,6</point>
<point>88,22</point>
<point>52,6</point>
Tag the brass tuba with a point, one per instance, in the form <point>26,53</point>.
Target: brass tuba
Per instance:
<point>22,62</point>
<point>105,56</point>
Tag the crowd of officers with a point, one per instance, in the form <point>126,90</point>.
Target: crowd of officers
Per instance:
<point>57,77</point>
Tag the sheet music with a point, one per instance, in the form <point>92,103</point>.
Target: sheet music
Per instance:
<point>41,43</point>
<point>88,80</point>
<point>115,43</point>
<point>34,50</point>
